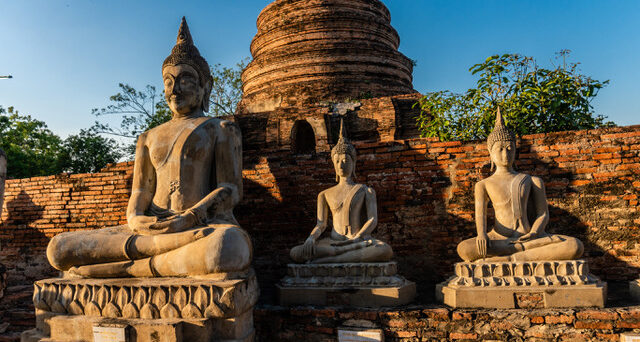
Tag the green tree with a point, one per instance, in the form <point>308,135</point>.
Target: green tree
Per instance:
<point>226,90</point>
<point>139,111</point>
<point>88,152</point>
<point>532,99</point>
<point>31,148</point>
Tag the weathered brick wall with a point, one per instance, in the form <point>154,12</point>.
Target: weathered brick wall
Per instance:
<point>442,324</point>
<point>425,202</point>
<point>38,208</point>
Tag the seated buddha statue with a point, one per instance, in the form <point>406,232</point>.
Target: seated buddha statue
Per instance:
<point>187,178</point>
<point>521,212</point>
<point>354,215</point>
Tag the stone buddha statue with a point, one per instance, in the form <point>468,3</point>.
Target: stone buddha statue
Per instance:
<point>521,212</point>
<point>354,215</point>
<point>187,178</point>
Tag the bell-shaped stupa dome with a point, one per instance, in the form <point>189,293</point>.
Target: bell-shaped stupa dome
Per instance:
<point>308,51</point>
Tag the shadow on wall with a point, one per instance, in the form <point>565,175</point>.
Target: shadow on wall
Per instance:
<point>425,208</point>
<point>23,245</point>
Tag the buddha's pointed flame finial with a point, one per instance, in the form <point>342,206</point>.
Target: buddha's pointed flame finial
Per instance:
<point>184,36</point>
<point>344,145</point>
<point>500,132</point>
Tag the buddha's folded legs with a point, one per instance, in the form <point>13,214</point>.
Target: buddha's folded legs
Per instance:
<point>370,250</point>
<point>549,247</point>
<point>225,250</point>
<point>107,252</point>
<point>373,251</point>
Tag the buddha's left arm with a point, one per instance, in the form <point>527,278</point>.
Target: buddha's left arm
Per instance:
<point>372,214</point>
<point>542,208</point>
<point>228,166</point>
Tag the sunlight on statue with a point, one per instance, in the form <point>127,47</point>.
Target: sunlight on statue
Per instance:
<point>521,212</point>
<point>355,214</point>
<point>187,179</point>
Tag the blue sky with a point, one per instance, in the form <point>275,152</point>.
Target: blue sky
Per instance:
<point>68,57</point>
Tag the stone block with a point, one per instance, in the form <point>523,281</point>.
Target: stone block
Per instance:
<point>536,284</point>
<point>351,285</point>
<point>152,309</point>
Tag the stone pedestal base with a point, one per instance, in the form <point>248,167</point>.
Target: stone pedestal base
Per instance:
<point>3,279</point>
<point>634,289</point>
<point>536,284</point>
<point>150,309</point>
<point>356,285</point>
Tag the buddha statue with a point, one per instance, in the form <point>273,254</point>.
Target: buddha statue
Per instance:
<point>187,178</point>
<point>521,212</point>
<point>354,216</point>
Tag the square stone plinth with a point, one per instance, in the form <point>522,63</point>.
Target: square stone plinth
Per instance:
<point>353,284</point>
<point>367,297</point>
<point>537,284</point>
<point>152,309</point>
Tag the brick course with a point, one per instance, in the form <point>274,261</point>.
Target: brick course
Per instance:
<point>425,202</point>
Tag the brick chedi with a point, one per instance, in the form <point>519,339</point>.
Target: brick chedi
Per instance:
<point>310,51</point>
<point>316,61</point>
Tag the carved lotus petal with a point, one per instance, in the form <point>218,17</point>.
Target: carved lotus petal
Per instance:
<point>38,300</point>
<point>102,297</point>
<point>111,311</point>
<point>201,297</point>
<point>140,297</point>
<point>159,297</point>
<point>149,311</point>
<point>50,294</point>
<point>169,311</point>
<point>83,295</point>
<point>67,295</point>
<point>191,311</point>
<point>213,311</point>
<point>92,309</point>
<point>122,297</point>
<point>180,297</point>
<point>75,308</point>
<point>130,310</point>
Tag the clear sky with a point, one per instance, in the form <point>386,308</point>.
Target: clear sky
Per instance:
<point>68,57</point>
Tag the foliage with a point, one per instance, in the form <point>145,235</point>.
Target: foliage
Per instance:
<point>33,150</point>
<point>226,91</point>
<point>143,110</point>
<point>88,152</point>
<point>532,100</point>
<point>140,111</point>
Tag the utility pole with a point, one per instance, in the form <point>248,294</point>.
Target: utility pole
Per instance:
<point>6,76</point>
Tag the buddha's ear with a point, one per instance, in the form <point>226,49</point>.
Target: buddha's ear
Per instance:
<point>206,98</point>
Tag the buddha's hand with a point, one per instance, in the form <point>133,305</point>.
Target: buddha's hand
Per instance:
<point>142,223</point>
<point>526,237</point>
<point>309,248</point>
<point>347,242</point>
<point>174,224</point>
<point>482,243</point>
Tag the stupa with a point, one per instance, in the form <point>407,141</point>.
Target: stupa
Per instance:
<point>314,61</point>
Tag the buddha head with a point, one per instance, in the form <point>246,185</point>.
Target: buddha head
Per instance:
<point>343,156</point>
<point>186,76</point>
<point>501,144</point>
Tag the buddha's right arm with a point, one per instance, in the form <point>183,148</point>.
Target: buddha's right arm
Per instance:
<point>481,209</point>
<point>144,184</point>
<point>323,215</point>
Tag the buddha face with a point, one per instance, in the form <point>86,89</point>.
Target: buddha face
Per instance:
<point>344,164</point>
<point>182,89</point>
<point>503,153</point>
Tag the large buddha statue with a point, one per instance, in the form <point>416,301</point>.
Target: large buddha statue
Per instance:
<point>354,215</point>
<point>521,212</point>
<point>187,179</point>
